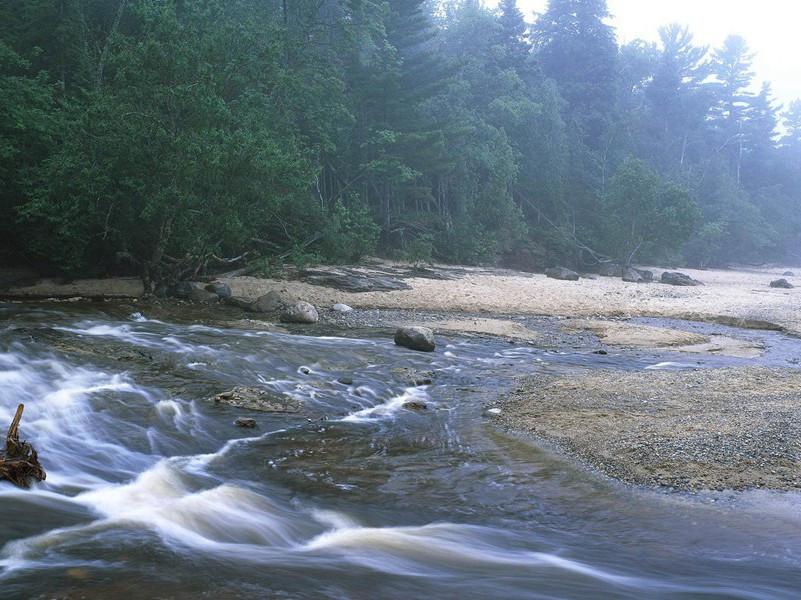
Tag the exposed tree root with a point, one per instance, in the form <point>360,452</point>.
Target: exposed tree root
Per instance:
<point>19,462</point>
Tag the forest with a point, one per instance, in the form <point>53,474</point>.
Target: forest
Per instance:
<point>166,137</point>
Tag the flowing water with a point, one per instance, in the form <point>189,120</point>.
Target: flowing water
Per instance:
<point>153,493</point>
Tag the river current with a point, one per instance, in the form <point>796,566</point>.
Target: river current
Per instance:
<point>152,492</point>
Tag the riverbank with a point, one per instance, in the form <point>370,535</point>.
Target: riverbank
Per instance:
<point>734,428</point>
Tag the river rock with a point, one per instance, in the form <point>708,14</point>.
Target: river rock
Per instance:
<point>608,269</point>
<point>256,399</point>
<point>183,289</point>
<point>162,289</point>
<point>415,405</point>
<point>269,302</point>
<point>223,290</point>
<point>676,278</point>
<point>562,273</point>
<point>782,283</point>
<point>302,312</point>
<point>203,296</point>
<point>646,274</point>
<point>239,302</point>
<point>341,308</point>
<point>246,422</point>
<point>632,276</point>
<point>415,338</point>
<point>788,274</point>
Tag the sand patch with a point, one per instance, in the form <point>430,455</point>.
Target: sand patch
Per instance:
<point>496,327</point>
<point>734,428</point>
<point>619,333</point>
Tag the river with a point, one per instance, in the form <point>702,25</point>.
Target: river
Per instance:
<point>152,492</point>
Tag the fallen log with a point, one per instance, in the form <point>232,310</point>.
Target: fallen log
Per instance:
<point>19,462</point>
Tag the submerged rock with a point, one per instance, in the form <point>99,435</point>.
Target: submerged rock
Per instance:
<point>413,376</point>
<point>246,422</point>
<point>782,283</point>
<point>259,400</point>
<point>415,338</point>
<point>415,405</point>
<point>302,312</point>
<point>676,278</point>
<point>562,273</point>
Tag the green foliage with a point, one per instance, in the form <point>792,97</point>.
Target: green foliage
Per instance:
<point>351,233</point>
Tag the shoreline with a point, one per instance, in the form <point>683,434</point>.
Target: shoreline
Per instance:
<point>660,429</point>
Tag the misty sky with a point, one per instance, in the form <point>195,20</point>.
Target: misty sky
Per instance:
<point>771,27</point>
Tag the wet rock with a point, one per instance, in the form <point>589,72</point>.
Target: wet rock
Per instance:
<point>162,289</point>
<point>305,370</point>
<point>341,308</point>
<point>632,276</point>
<point>413,376</point>
<point>609,269</point>
<point>302,312</point>
<point>562,273</point>
<point>788,274</point>
<point>676,278</point>
<point>203,296</point>
<point>256,399</point>
<point>239,302</point>
<point>415,338</point>
<point>223,290</point>
<point>782,283</point>
<point>269,302</point>
<point>415,405</point>
<point>246,422</point>
<point>345,380</point>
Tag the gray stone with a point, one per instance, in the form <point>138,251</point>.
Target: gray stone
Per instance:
<point>183,289</point>
<point>341,308</point>
<point>562,273</point>
<point>255,399</point>
<point>632,276</point>
<point>223,290</point>
<point>675,278</point>
<point>788,274</point>
<point>302,312</point>
<point>415,338</point>
<point>646,274</point>
<point>239,302</point>
<point>162,289</point>
<point>269,302</point>
<point>345,380</point>
<point>608,269</point>
<point>782,283</point>
<point>203,296</point>
<point>246,422</point>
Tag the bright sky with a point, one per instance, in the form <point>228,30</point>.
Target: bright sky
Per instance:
<point>772,28</point>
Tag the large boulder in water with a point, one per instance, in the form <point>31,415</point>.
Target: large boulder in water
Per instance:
<point>562,273</point>
<point>255,399</point>
<point>302,312</point>
<point>675,278</point>
<point>415,338</point>
<point>782,283</point>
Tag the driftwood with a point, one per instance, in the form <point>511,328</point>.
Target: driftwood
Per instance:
<point>19,462</point>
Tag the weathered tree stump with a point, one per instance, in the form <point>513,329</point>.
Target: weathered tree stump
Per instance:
<point>19,462</point>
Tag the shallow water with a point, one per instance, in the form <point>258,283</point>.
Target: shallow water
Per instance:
<point>153,493</point>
